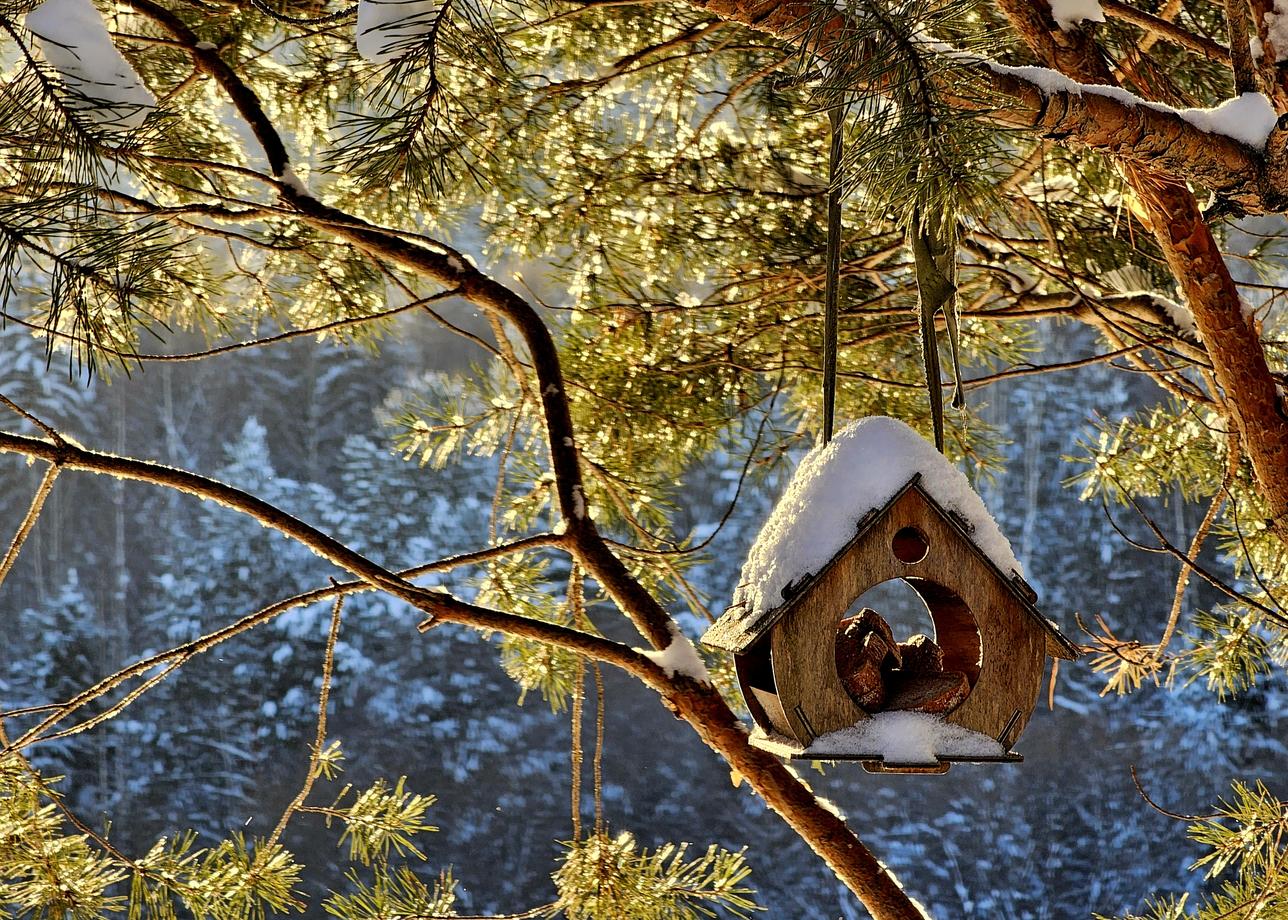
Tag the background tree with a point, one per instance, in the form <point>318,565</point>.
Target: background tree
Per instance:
<point>644,188</point>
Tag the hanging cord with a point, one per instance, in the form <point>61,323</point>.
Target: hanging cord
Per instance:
<point>934,245</point>
<point>577,608</point>
<point>832,277</point>
<point>578,696</point>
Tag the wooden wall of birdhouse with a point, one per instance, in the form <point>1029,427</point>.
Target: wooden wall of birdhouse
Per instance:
<point>985,623</point>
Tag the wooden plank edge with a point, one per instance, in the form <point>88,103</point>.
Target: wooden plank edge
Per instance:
<point>786,748</point>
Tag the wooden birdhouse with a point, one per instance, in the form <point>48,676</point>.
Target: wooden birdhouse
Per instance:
<point>879,503</point>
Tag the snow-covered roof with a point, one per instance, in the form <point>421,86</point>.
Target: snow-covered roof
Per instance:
<point>861,469</point>
<point>838,493</point>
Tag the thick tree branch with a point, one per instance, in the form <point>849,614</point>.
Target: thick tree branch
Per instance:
<point>71,456</point>
<point>1157,138</point>
<point>453,270</point>
<point>1274,71</point>
<point>699,704</point>
<point>1238,359</point>
<point>239,93</point>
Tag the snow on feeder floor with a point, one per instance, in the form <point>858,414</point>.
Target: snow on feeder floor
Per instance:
<point>878,503</point>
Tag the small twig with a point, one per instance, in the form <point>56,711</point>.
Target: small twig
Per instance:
<point>46,428</point>
<point>577,608</point>
<point>29,520</point>
<point>112,711</point>
<point>1055,673</point>
<point>208,641</point>
<point>1197,545</point>
<point>58,803</point>
<point>267,10</point>
<point>1158,27</point>
<point>239,346</point>
<point>27,711</point>
<point>1247,553</point>
<point>319,739</point>
<point>1131,661</point>
<point>1160,809</point>
<point>1166,546</point>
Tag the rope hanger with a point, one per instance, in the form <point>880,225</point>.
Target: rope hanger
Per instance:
<point>832,276</point>
<point>933,249</point>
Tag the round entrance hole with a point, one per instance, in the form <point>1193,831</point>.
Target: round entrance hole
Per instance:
<point>910,545</point>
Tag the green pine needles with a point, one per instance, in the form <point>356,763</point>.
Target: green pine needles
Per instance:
<point>633,198</point>
<point>48,871</point>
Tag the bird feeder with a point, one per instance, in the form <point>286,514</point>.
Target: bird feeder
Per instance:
<point>821,688</point>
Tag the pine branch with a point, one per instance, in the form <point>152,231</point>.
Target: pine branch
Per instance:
<point>209,61</point>
<point>1238,359</point>
<point>1165,29</point>
<point>434,603</point>
<point>1161,140</point>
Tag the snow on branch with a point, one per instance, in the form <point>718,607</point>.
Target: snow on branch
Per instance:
<point>76,43</point>
<point>1167,143</point>
<point>680,657</point>
<point>1070,14</point>
<point>1248,118</point>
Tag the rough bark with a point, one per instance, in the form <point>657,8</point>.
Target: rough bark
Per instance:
<point>1232,343</point>
<point>1161,140</point>
<point>1154,148</point>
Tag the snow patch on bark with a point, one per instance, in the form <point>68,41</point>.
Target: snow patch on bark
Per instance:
<point>1069,14</point>
<point>1247,118</point>
<point>680,657</point>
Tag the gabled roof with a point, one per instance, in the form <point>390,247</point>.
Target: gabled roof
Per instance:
<point>863,466</point>
<point>739,628</point>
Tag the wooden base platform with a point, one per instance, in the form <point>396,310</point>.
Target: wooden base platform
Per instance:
<point>872,762</point>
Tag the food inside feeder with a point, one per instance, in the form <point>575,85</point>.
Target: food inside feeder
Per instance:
<point>882,674</point>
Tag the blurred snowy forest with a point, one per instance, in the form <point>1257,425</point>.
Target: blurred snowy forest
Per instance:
<point>116,569</point>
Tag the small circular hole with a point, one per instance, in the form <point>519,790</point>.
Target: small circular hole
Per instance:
<point>910,545</point>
